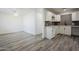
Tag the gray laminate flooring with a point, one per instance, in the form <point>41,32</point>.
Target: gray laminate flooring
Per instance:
<point>21,41</point>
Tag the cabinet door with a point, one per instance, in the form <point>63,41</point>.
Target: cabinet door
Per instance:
<point>57,17</point>
<point>56,30</point>
<point>68,30</point>
<point>61,29</point>
<point>75,16</point>
<point>65,30</point>
<point>49,32</point>
<point>49,15</point>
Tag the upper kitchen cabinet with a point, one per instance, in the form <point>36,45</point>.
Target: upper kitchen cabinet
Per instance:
<point>57,17</point>
<point>75,16</point>
<point>50,16</point>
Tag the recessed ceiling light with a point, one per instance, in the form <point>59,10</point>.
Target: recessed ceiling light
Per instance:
<point>65,9</point>
<point>15,14</point>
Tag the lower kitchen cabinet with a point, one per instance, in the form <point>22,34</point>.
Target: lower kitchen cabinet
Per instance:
<point>52,31</point>
<point>65,30</point>
<point>61,29</point>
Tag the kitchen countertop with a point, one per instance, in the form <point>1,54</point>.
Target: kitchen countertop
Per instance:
<point>74,26</point>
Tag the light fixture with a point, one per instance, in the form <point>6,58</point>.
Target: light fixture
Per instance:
<point>65,9</point>
<point>15,12</point>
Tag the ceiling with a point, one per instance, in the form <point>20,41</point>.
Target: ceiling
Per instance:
<point>20,11</point>
<point>23,11</point>
<point>62,10</point>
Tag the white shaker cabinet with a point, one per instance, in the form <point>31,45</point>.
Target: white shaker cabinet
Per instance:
<point>50,32</point>
<point>49,16</point>
<point>57,18</point>
<point>75,16</point>
<point>65,30</point>
<point>61,29</point>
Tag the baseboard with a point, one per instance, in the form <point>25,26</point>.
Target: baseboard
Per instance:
<point>10,33</point>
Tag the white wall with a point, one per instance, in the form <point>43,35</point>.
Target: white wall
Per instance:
<point>39,20</point>
<point>9,23</point>
<point>29,21</point>
<point>33,21</point>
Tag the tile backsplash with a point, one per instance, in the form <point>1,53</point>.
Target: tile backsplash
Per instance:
<point>49,23</point>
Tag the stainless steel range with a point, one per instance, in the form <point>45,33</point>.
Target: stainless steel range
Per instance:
<point>75,28</point>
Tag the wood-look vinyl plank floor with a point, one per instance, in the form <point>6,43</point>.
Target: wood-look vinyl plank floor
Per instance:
<point>21,41</point>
